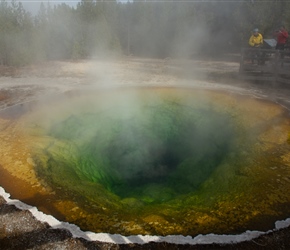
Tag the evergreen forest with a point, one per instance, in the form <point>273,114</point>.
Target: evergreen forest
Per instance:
<point>152,28</point>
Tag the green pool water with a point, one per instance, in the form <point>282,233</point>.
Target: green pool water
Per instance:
<point>162,161</point>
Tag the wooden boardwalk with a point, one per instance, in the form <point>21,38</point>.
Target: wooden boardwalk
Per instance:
<point>265,65</point>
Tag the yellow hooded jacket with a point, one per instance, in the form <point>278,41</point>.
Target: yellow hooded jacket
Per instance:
<point>256,40</point>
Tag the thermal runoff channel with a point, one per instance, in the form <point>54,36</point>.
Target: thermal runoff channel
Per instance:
<point>160,160</point>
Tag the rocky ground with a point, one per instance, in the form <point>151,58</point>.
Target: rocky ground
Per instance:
<point>19,229</point>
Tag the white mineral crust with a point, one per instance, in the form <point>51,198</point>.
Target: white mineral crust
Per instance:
<point>140,239</point>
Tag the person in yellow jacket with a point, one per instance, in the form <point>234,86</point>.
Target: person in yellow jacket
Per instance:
<point>256,40</point>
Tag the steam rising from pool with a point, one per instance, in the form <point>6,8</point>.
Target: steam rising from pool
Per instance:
<point>161,160</point>
<point>154,153</point>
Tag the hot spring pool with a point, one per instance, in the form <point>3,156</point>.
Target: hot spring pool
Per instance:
<point>156,161</point>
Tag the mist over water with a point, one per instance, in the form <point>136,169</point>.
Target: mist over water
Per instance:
<point>163,143</point>
<point>190,161</point>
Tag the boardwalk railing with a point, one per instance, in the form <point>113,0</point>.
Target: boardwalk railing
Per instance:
<point>265,65</point>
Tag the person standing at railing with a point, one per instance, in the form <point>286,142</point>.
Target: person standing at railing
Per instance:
<point>281,36</point>
<point>256,41</point>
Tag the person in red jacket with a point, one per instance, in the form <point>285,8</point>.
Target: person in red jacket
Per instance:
<point>282,36</point>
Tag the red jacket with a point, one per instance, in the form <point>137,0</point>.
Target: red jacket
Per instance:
<point>282,37</point>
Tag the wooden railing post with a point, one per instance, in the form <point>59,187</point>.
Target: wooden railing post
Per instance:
<point>275,67</point>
